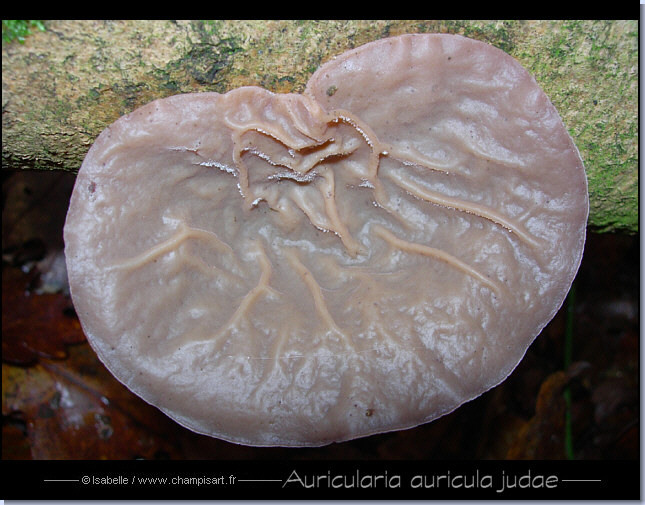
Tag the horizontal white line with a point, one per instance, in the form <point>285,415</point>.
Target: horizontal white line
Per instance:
<point>259,480</point>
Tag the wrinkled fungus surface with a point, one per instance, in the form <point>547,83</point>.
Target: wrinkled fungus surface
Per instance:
<point>299,269</point>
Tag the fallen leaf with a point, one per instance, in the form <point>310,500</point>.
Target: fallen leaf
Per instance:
<point>35,325</point>
<point>74,409</point>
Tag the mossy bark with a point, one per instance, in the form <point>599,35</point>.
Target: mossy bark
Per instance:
<point>61,87</point>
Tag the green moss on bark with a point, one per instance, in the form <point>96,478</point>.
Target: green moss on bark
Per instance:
<point>61,87</point>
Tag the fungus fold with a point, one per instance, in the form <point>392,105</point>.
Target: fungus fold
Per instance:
<point>302,269</point>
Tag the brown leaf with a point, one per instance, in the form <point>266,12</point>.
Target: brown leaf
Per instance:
<point>35,325</point>
<point>75,409</point>
<point>543,436</point>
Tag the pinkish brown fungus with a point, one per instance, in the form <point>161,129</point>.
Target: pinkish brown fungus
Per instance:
<point>299,269</point>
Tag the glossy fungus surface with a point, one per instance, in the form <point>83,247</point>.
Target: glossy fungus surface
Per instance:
<point>299,269</point>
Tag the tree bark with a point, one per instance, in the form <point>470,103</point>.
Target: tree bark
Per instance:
<point>62,87</point>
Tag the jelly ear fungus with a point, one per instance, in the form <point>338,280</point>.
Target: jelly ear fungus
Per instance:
<point>269,268</point>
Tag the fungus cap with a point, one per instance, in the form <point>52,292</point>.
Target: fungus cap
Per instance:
<point>300,269</point>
